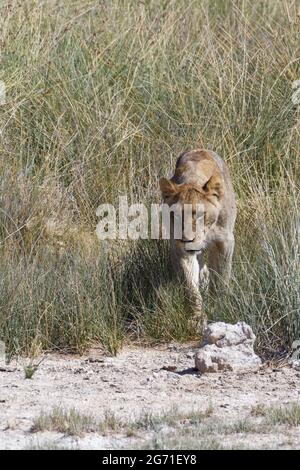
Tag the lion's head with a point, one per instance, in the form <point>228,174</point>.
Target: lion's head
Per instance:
<point>196,208</point>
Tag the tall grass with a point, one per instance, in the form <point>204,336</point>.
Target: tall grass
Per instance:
<point>101,97</point>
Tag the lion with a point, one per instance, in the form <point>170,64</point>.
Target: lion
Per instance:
<point>201,179</point>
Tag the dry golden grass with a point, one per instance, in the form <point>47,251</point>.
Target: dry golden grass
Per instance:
<point>101,97</point>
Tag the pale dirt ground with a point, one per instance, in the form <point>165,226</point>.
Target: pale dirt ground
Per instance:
<point>134,381</point>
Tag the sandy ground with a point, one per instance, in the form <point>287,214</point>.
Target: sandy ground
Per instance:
<point>138,379</point>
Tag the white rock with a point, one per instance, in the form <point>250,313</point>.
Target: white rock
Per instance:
<point>295,364</point>
<point>224,334</point>
<point>227,347</point>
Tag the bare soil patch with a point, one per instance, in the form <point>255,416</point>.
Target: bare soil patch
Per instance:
<point>152,381</point>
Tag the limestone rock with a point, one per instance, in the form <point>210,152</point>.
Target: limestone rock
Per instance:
<point>295,364</point>
<point>227,347</point>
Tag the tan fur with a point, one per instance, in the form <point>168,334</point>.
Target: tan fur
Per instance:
<point>202,177</point>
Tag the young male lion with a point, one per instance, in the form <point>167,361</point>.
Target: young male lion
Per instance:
<point>201,180</point>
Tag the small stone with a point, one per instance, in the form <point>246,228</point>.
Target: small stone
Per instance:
<point>295,364</point>
<point>170,368</point>
<point>94,359</point>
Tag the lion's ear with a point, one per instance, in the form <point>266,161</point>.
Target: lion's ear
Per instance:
<point>214,186</point>
<point>167,187</point>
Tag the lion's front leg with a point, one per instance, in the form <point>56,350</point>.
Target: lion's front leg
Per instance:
<point>203,273</point>
<point>220,262</point>
<point>190,271</point>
